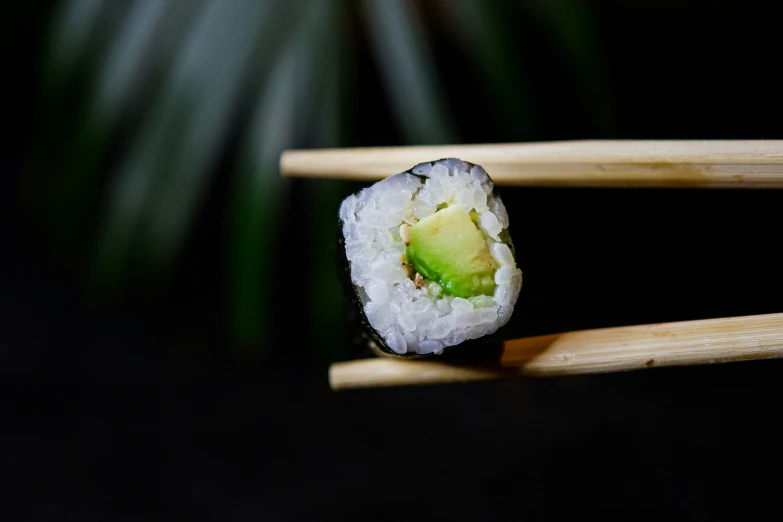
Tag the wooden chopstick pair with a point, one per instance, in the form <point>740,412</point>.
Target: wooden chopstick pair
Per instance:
<point>588,351</point>
<point>663,164</point>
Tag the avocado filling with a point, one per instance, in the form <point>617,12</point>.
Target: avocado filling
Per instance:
<point>448,248</point>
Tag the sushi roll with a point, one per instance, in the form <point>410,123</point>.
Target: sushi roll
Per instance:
<point>428,259</point>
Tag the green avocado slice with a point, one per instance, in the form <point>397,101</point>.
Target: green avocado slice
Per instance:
<point>448,248</point>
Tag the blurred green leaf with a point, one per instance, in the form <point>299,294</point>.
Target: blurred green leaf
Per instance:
<point>573,28</point>
<point>279,122</point>
<point>75,24</point>
<point>119,83</point>
<point>408,69</point>
<point>326,312</point>
<point>487,41</point>
<point>74,41</point>
<point>163,177</point>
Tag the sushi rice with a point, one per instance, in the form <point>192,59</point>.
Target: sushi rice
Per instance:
<point>410,314</point>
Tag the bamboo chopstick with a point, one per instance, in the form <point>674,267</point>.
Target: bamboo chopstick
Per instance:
<point>587,351</point>
<point>716,164</point>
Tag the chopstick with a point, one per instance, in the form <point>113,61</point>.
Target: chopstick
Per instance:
<point>669,164</point>
<point>583,352</point>
<point>674,164</point>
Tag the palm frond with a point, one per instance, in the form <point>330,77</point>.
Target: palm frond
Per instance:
<point>573,29</point>
<point>408,70</point>
<point>280,121</point>
<point>163,177</point>
<point>325,308</point>
<point>502,70</point>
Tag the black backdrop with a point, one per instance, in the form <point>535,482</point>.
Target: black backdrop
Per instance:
<point>105,416</point>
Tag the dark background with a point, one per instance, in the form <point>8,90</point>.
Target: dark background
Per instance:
<point>144,398</point>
